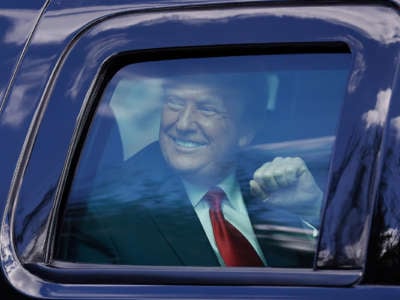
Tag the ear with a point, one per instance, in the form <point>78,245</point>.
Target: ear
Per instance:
<point>246,138</point>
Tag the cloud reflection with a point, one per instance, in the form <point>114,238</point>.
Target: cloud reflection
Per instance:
<point>349,203</point>
<point>378,115</point>
<point>17,110</point>
<point>387,244</point>
<point>383,27</point>
<point>136,105</point>
<point>359,69</point>
<point>21,24</point>
<point>395,128</point>
<point>23,95</point>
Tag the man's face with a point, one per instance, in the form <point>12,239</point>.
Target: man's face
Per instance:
<point>199,133</point>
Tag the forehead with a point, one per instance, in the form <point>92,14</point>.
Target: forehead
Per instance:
<point>194,91</point>
<point>205,88</point>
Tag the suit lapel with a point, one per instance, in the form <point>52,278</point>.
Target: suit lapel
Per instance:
<point>170,209</point>
<point>180,227</point>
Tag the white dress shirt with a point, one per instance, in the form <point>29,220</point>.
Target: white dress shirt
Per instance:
<point>233,208</point>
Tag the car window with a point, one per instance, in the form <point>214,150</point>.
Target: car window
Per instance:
<point>217,161</point>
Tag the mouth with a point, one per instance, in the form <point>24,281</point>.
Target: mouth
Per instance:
<point>188,144</point>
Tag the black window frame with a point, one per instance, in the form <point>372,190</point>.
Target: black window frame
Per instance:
<point>169,274</point>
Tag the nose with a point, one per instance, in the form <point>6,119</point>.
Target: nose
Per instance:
<point>186,119</point>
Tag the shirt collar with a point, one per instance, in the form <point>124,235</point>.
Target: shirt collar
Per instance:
<point>229,185</point>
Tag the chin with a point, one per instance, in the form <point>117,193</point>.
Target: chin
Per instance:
<point>181,167</point>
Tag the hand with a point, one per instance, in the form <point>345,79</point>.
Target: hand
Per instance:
<point>287,184</point>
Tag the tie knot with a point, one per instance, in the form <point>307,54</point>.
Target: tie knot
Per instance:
<point>214,198</point>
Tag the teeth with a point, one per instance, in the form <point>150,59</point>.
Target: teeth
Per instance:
<point>188,144</point>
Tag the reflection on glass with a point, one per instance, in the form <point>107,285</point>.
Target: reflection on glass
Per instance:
<point>207,162</point>
<point>385,249</point>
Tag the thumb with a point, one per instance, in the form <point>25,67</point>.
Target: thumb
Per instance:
<point>256,190</point>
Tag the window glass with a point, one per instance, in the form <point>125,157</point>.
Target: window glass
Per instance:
<point>218,161</point>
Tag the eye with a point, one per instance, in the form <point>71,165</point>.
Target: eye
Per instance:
<point>174,103</point>
<point>208,110</point>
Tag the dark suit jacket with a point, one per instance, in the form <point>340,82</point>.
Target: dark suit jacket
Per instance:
<point>139,214</point>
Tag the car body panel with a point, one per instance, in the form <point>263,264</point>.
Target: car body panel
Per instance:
<point>49,100</point>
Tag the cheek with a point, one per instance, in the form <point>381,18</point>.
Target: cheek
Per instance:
<point>224,135</point>
<point>167,118</point>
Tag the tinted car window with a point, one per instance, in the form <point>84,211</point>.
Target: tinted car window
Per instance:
<point>187,159</point>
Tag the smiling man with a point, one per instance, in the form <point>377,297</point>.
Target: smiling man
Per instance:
<point>200,136</point>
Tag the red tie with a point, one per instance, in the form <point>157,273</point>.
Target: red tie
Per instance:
<point>234,248</point>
